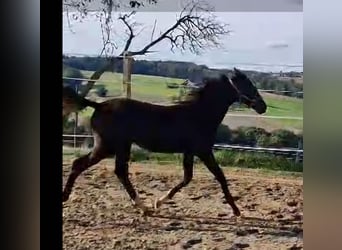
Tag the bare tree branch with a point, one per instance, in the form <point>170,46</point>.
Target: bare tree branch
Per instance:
<point>97,74</point>
<point>140,31</point>
<point>154,28</point>
<point>68,21</point>
<point>108,45</point>
<point>130,28</point>
<point>195,29</point>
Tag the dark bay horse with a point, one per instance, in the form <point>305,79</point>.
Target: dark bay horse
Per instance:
<point>188,128</point>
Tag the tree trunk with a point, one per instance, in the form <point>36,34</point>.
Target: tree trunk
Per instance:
<point>96,75</point>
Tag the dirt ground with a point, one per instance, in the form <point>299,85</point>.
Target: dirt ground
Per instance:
<point>99,214</point>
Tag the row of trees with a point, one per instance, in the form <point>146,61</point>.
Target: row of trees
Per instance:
<point>253,136</point>
<point>184,70</point>
<point>287,88</point>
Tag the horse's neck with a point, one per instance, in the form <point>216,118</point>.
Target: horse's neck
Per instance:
<point>213,112</point>
<point>221,112</point>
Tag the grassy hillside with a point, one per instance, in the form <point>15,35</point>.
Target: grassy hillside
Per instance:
<point>153,89</point>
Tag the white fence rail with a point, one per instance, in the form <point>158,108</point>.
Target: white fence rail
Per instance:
<point>111,81</point>
<point>293,153</point>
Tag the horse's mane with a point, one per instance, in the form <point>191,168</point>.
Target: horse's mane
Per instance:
<point>193,95</point>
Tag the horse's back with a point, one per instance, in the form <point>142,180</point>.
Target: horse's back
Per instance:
<point>154,127</point>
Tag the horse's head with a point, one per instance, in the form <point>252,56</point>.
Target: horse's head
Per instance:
<point>247,92</point>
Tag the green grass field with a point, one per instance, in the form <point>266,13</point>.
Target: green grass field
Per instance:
<point>224,158</point>
<point>147,88</point>
<point>153,89</point>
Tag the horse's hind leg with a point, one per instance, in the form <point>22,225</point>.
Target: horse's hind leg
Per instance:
<point>214,168</point>
<point>188,163</point>
<point>121,171</point>
<point>78,166</point>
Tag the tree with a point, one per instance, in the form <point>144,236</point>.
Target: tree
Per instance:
<point>101,91</point>
<point>284,138</point>
<point>195,29</point>
<point>70,72</point>
<point>223,134</point>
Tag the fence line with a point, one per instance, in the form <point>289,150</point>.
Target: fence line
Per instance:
<point>268,116</point>
<point>96,56</point>
<point>236,115</point>
<point>280,91</point>
<point>225,146</point>
<point>110,81</point>
<point>86,79</point>
<point>285,150</point>
<point>82,136</point>
<point>295,154</point>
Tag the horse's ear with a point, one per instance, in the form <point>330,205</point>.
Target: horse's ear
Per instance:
<point>223,77</point>
<point>239,73</point>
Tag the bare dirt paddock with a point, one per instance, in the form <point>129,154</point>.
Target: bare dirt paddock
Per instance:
<point>99,214</point>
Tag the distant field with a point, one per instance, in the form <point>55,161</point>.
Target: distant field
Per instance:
<point>148,88</point>
<point>153,89</point>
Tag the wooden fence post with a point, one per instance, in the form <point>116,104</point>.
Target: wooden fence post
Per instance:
<point>127,72</point>
<point>300,146</point>
<point>76,123</point>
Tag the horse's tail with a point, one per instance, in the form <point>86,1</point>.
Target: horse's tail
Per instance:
<point>74,102</point>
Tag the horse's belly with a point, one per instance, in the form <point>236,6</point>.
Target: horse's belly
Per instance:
<point>163,145</point>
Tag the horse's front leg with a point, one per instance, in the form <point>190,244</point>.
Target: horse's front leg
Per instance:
<point>188,163</point>
<point>121,171</point>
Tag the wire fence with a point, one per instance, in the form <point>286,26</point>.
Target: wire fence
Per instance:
<point>110,81</point>
<point>290,153</point>
<point>77,140</point>
<point>229,114</point>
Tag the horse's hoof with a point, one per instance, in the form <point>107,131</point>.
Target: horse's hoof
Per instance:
<point>237,212</point>
<point>65,197</point>
<point>157,204</point>
<point>147,212</point>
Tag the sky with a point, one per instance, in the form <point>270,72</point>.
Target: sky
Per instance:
<point>265,41</point>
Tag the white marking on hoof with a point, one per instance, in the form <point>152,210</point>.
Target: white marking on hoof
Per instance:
<point>161,200</point>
